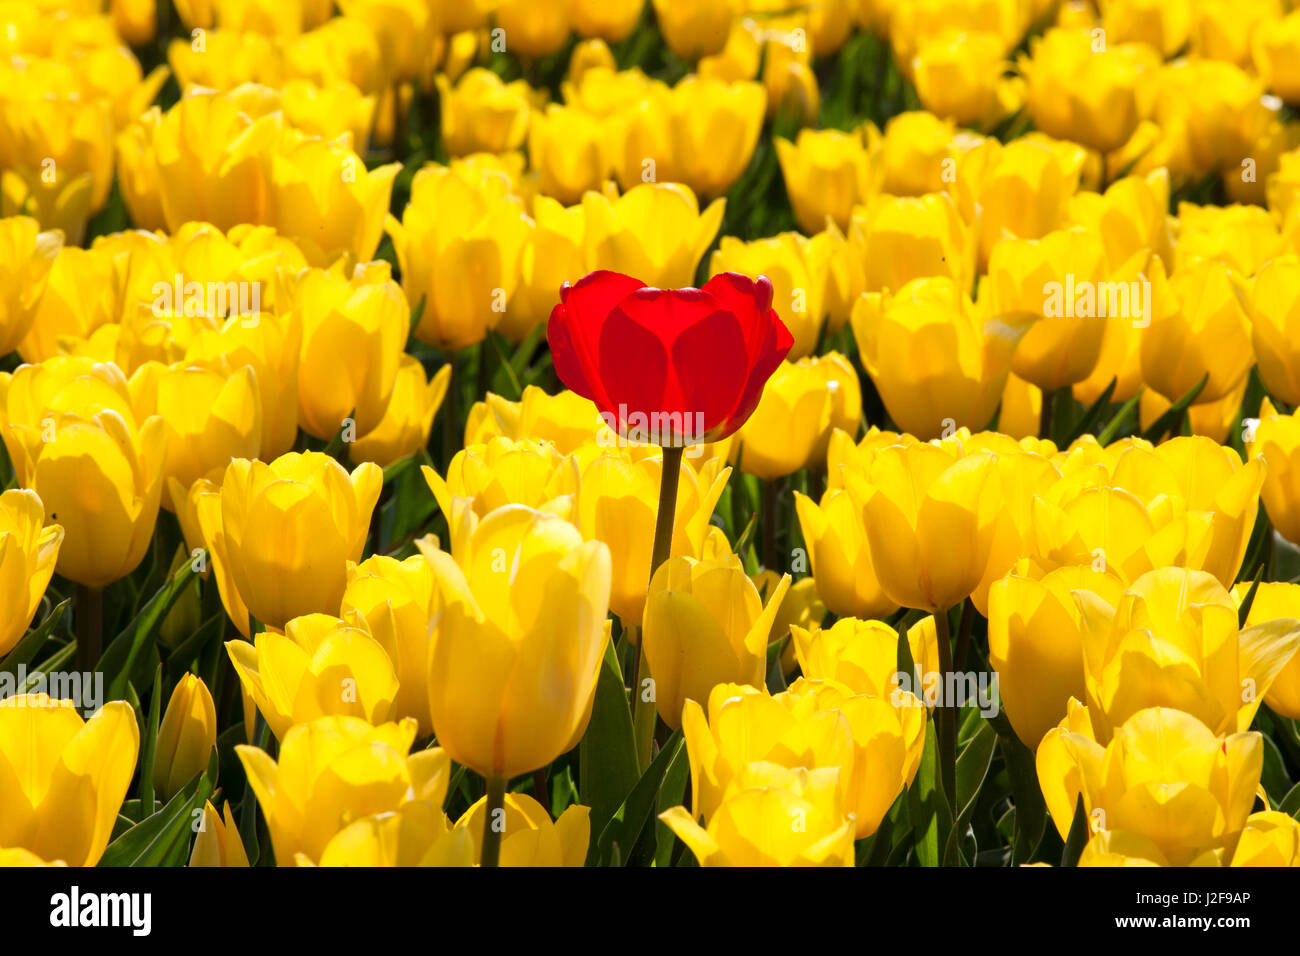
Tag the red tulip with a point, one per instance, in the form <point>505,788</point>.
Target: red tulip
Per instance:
<point>672,366</point>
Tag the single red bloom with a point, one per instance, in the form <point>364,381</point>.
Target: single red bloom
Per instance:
<point>672,366</point>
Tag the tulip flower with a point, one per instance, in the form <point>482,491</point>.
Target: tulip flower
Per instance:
<point>960,75</point>
<point>396,603</point>
<point>1036,640</point>
<point>617,505</point>
<point>28,553</point>
<point>862,655</point>
<point>1077,92</point>
<point>552,255</point>
<point>534,29</point>
<point>699,357</point>
<point>524,613</point>
<point>320,666</point>
<point>901,239</point>
<point>218,842</point>
<point>1164,776</point>
<point>704,625</point>
<point>459,248</point>
<point>697,28</point>
<point>404,429</point>
<point>27,257</point>
<point>483,114</point>
<point>209,419</point>
<point>567,420</point>
<point>618,232</point>
<point>528,836</point>
<point>186,736</point>
<point>1275,327</point>
<point>773,816</point>
<point>62,779</point>
<point>1175,632</point>
<point>799,271</point>
<point>840,557</point>
<point>801,607</point>
<point>354,329</point>
<point>801,404</point>
<point>332,771</point>
<point>1275,600</point>
<point>281,534</point>
<point>611,20</point>
<point>967,357</point>
<point>1276,438</point>
<point>1269,838</point>
<point>827,173</point>
<point>714,127</point>
<point>415,834</point>
<point>792,91</point>
<point>1275,49</point>
<point>568,147</point>
<point>507,472</point>
<point>78,298</point>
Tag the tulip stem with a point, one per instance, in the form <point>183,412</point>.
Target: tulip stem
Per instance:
<point>947,723</point>
<point>769,524</point>
<point>1046,413</point>
<point>964,634</point>
<point>88,608</point>
<point>492,826</point>
<point>643,718</point>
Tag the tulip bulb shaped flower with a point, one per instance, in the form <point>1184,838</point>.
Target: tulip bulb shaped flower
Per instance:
<point>186,736</point>
<point>512,670</point>
<point>28,552</point>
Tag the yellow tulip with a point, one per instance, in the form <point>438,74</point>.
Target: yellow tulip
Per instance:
<point>78,299</point>
<point>1243,238</point>
<point>353,331</point>
<point>696,28</point>
<point>528,836</point>
<point>704,625</point>
<point>960,75</point>
<point>329,111</point>
<point>1275,52</point>
<point>319,667</point>
<point>218,842</point>
<point>1224,29</point>
<point>915,502</point>
<point>901,239</point>
<point>1036,279</point>
<point>281,534</point>
<point>1079,92</point>
<point>27,257</point>
<point>552,255</point>
<point>1269,838</point>
<point>611,20</point>
<point>801,607</point>
<point>28,553</point>
<point>62,779</point>
<point>967,358</point>
<point>617,502</point>
<point>620,233</point>
<point>403,31</point>
<point>507,472</point>
<point>459,246</point>
<point>1277,440</point>
<point>332,771</point>
<point>525,613</point>
<point>396,603</point>
<point>1164,776</point>
<point>802,402</point>
<point>1216,113</point>
<point>792,90</point>
<point>827,173</point>
<point>567,420</point>
<point>568,147</point>
<point>840,556</point>
<point>1275,327</point>
<point>1036,643</point>
<point>714,127</point>
<point>534,29</point>
<point>1275,601</point>
<point>209,419</point>
<point>481,114</point>
<point>1025,476</point>
<point>1132,215</point>
<point>407,421</point>
<point>799,270</point>
<point>1175,633</point>
<point>772,816</point>
<point>862,655</point>
<point>415,834</point>
<point>739,57</point>
<point>186,736</point>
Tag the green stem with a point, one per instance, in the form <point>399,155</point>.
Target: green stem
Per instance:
<point>964,633</point>
<point>496,800</point>
<point>769,524</point>
<point>947,724</point>
<point>451,423</point>
<point>1045,417</point>
<point>88,609</point>
<point>643,716</point>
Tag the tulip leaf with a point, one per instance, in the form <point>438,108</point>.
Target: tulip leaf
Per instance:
<point>506,365</point>
<point>625,828</point>
<point>1116,424</point>
<point>972,767</point>
<point>775,673</point>
<point>157,840</point>
<point>1171,420</point>
<point>1027,797</point>
<point>1290,804</point>
<point>32,642</point>
<point>931,817</point>
<point>149,745</point>
<point>178,661</point>
<point>607,768</point>
<point>1088,421</point>
<point>131,648</point>
<point>672,793</point>
<point>1248,601</point>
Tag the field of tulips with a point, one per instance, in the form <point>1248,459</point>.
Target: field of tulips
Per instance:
<point>675,433</point>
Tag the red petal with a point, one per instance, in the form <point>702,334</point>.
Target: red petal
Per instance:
<point>712,366</point>
<point>575,328</point>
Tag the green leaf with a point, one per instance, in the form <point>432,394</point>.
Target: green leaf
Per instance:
<point>1078,837</point>
<point>930,814</point>
<point>607,753</point>
<point>31,643</point>
<point>149,745</point>
<point>1088,423</point>
<point>178,661</point>
<point>1117,423</point>
<point>972,767</point>
<point>1290,804</point>
<point>157,839</point>
<point>672,793</point>
<point>626,826</point>
<point>1174,414</point>
<point>136,643</point>
<point>1248,601</point>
